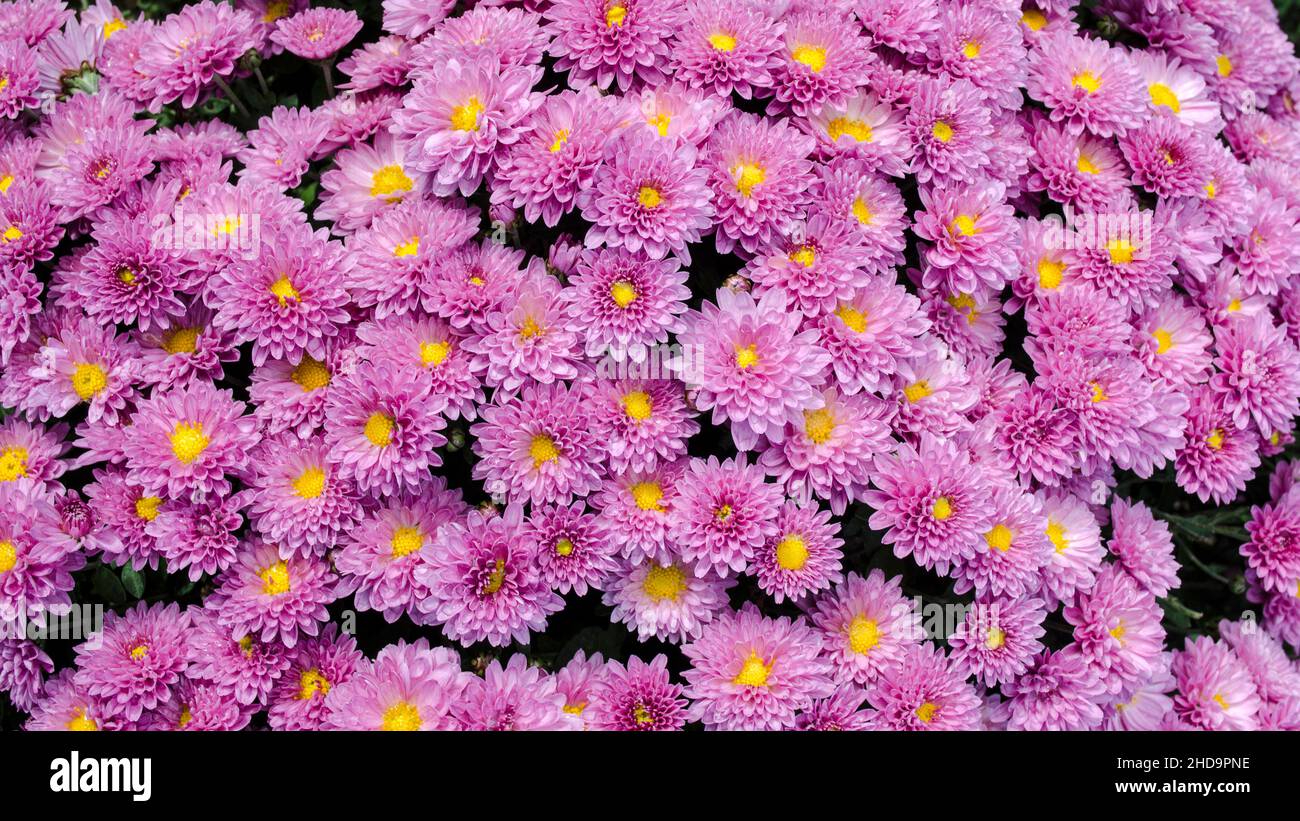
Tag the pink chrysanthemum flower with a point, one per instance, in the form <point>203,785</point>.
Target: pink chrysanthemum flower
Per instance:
<point>1273,551</point>
<point>635,507</point>
<point>862,128</point>
<point>20,302</point>
<point>382,429</point>
<point>803,557</point>
<point>510,36</point>
<point>1117,631</point>
<point>848,191</point>
<point>866,626</point>
<point>531,338</point>
<point>602,43</point>
<point>484,582</point>
<point>985,48</point>
<point>135,660</point>
<point>1215,689</point>
<point>1075,536</point>
<point>1173,341</point>
<point>125,510</point>
<point>643,422</point>
<point>665,600</point>
<point>1087,84</point>
<point>316,33</point>
<point>924,692</point>
<point>1218,456</point>
<point>640,697</point>
<point>189,50</point>
<point>199,537</point>
<point>824,61</point>
<point>1009,559</point>
<point>749,672</point>
<point>243,667</point>
<point>1057,693</point>
<point>971,231</point>
<point>573,550</point>
<point>999,639</point>
<point>23,668</point>
<point>1275,677</point>
<point>813,264</point>
<point>66,706</point>
<point>1258,375</point>
<point>425,344</point>
<point>726,45</point>
<point>454,123</point>
<point>37,556</point>
<point>1078,319</point>
<point>282,147</point>
<point>1076,169</point>
<point>197,706</point>
<point>753,366</point>
<point>381,555</point>
<point>288,298</point>
<point>1143,547</point>
<point>274,598</point>
<point>968,323</point>
<point>1265,251</point>
<point>625,302</point>
<point>186,347</point>
<point>21,81</point>
<point>32,452</point>
<point>413,18</point>
<point>868,333</point>
<point>369,180</point>
<point>291,394</point>
<point>828,455</point>
<point>932,503</point>
<point>513,697</point>
<point>759,173</point>
<point>1168,159</point>
<point>385,62</point>
<point>1175,91</point>
<point>903,25</point>
<point>649,196</point>
<point>538,445</point>
<point>30,223</point>
<point>723,513</point>
<point>87,363</point>
<point>472,283</point>
<point>185,441</point>
<point>408,687</point>
<point>316,666</point>
<point>951,129</point>
<point>300,502</point>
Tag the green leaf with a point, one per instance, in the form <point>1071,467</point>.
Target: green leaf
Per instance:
<point>107,587</point>
<point>133,581</point>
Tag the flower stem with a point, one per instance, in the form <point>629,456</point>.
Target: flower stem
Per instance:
<point>325,67</point>
<point>233,97</point>
<point>261,82</point>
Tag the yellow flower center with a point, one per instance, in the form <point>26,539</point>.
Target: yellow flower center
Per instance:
<point>1223,64</point>
<point>283,291</point>
<point>529,329</point>
<point>857,129</point>
<point>495,579</point>
<point>1162,94</point>
<point>664,582</point>
<point>1086,165</point>
<point>926,711</point>
<point>1033,19</point>
<point>139,651</point>
<point>818,425</point>
<point>311,682</point>
<point>542,448</point>
<point>310,374</point>
<point>963,225</point>
<point>561,139</point>
<point>660,123</point>
<point>188,441</point>
<point>1120,250</point>
<point>433,354</point>
<point>1087,81</point>
<point>13,463</point>
<point>971,50</point>
<point>722,513</point>
<point>792,552</point>
<point>861,211</point>
<point>563,547</point>
<point>407,249</point>
<point>8,556</point>
<point>649,196</point>
<point>722,42</point>
<point>113,27</point>
<point>465,117</point>
<point>1221,701</point>
<point>1057,536</point>
<point>1050,273</point>
<point>126,276</point>
<point>747,176</point>
<point>852,318</point>
<point>1210,189</point>
<point>146,507</point>
<point>995,638</point>
<point>623,293</point>
<point>637,405</point>
<point>917,391</point>
<point>648,496</point>
<point>747,356</point>
<point>275,579</point>
<point>402,717</point>
<point>379,429</point>
<point>1164,340</point>
<point>88,379</point>
<point>942,508</point>
<point>1215,439</point>
<point>864,634</point>
<point>615,15</point>
<point>311,484</point>
<point>999,537</point>
<point>941,131</point>
<point>1098,392</point>
<point>80,722</point>
<point>12,233</point>
<point>180,340</point>
<point>405,541</point>
<point>812,56</point>
<point>753,673</point>
<point>805,256</point>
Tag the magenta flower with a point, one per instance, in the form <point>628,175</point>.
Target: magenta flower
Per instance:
<point>136,660</point>
<point>1087,84</point>
<point>999,639</point>
<point>274,598</point>
<point>725,46</point>
<point>516,697</point>
<point>189,50</point>
<point>924,692</point>
<point>408,687</point>
<point>803,557</point>
<point>316,665</point>
<point>866,626</point>
<point>573,550</point>
<point>639,697</point>
<point>602,43</point>
<point>316,33</point>
<point>722,514</point>
<point>665,600</point>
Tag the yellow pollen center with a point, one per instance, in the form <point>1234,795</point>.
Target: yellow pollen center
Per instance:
<point>963,225</point>
<point>80,722</point>
<point>542,448</point>
<point>402,717</point>
<point>864,634</point>
<point>310,374</point>
<point>1087,81</point>
<point>1223,64</point>
<point>529,329</point>
<point>641,715</point>
<point>408,249</point>
<point>1221,701</point>
<point>753,673</point>
<point>432,354</point>
<point>941,131</point>
<point>664,582</point>
<point>561,139</point>
<point>8,556</point>
<point>379,429</point>
<point>638,405</point>
<point>1033,19</point>
<point>1050,273</point>
<point>311,682</point>
<point>1098,392</point>
<point>390,182</point>
<point>722,513</point>
<point>861,211</point>
<point>181,340</point>
<point>496,578</point>
<point>13,463</point>
<point>747,356</point>
<point>126,276</point>
<point>999,538</point>
<point>926,711</point>
<point>1120,250</point>
<point>88,379</point>
<point>563,547</point>
<point>818,425</point>
<point>283,291</point>
<point>852,318</point>
<point>805,256</point>
<point>1162,94</point>
<point>615,15</point>
<point>465,117</point>
<point>648,496</point>
<point>146,507</point>
<point>1215,439</point>
<point>1211,190</point>
<point>812,56</point>
<point>405,541</point>
<point>942,508</point>
<point>6,181</point>
<point>747,176</point>
<point>113,27</point>
<point>188,441</point>
<point>1057,536</point>
<point>660,123</point>
<point>857,129</point>
<point>995,638</point>
<point>917,391</point>
<point>623,293</point>
<point>1086,165</point>
<point>1164,340</point>
<point>275,579</point>
<point>1234,304</point>
<point>722,42</point>
<point>649,196</point>
<point>792,552</point>
<point>12,233</point>
<point>311,484</point>
<point>971,50</point>
<point>139,651</point>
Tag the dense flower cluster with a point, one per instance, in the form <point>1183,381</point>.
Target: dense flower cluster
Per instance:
<point>671,307</point>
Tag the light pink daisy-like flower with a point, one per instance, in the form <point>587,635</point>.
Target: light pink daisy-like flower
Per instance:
<point>199,537</point>
<point>983,47</point>
<point>824,61</point>
<point>665,600</point>
<point>64,705</point>
<point>282,147</point>
<point>932,503</point>
<point>185,441</point>
<point>380,557</point>
<point>413,18</point>
<point>408,687</point>
<point>187,347</point>
<point>196,706</point>
<point>135,661</point>
<point>749,672</point>
<point>868,333</point>
<point>649,195</point>
<point>803,557</point>
<point>382,429</point>
<point>1117,630</point>
<point>19,303</point>
<point>1168,159</point>
<point>839,713</point>
<point>1076,169</point>
<point>639,697</point>
<point>453,124</point>
<point>274,598</point>
<point>1014,549</point>
<point>1257,376</point>
<point>625,302</point>
<point>511,36</point>
<point>829,455</point>
<point>23,668</point>
<point>1078,319</point>
<point>903,25</point>
<point>848,191</point>
<point>1273,551</point>
<point>1218,456</point>
<point>1057,693</point>
<point>971,232</point>
<point>725,46</point>
<point>473,282</point>
<point>759,173</point>
<point>999,639</point>
<point>191,49</point>
<point>291,394</point>
<point>31,225</point>
<point>21,81</point>
<point>968,323</point>
<point>951,130</point>
<point>484,582</point>
<point>287,298</point>
<point>924,692</point>
<point>575,681</point>
<point>538,445</point>
<point>1075,536</point>
<point>573,550</point>
<point>32,452</point>
<point>674,111</point>
<point>866,625</point>
<point>864,129</point>
<point>371,179</point>
<point>1173,341</point>
<point>86,363</point>
<point>531,338</point>
<point>602,43</point>
<point>243,667</point>
<point>1087,84</point>
<point>516,697</point>
<point>1215,689</point>
<point>1143,547</point>
<point>316,666</point>
<point>428,345</point>
<point>124,510</point>
<point>1270,667</point>
<point>754,368</point>
<point>635,506</point>
<point>300,504</point>
<point>316,33</point>
<point>1265,250</point>
<point>643,422</point>
<point>37,555</point>
<point>814,264</point>
<point>1174,90</point>
<point>385,62</point>
<point>722,514</point>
